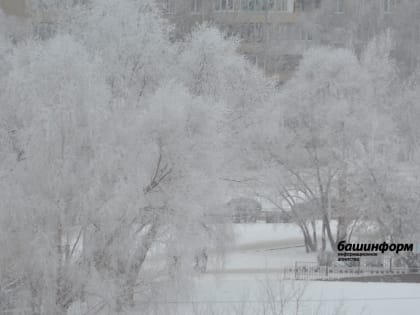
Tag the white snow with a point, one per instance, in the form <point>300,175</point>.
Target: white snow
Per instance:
<point>356,298</point>
<point>263,232</point>
<point>251,265</point>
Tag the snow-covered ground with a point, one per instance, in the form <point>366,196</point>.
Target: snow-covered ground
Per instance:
<point>249,283</point>
<point>263,232</point>
<point>319,297</point>
<point>250,268</point>
<point>262,246</point>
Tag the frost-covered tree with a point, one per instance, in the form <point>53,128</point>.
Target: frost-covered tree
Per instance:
<point>331,116</point>
<point>214,69</point>
<point>390,171</point>
<point>52,125</point>
<point>110,154</point>
<point>406,113</point>
<point>324,123</point>
<point>356,23</point>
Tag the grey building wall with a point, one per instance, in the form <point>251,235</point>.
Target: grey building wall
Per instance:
<point>13,7</point>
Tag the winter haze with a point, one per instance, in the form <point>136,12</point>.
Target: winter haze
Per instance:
<point>209,157</point>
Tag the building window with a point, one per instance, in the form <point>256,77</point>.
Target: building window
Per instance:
<point>298,6</point>
<point>388,6</point>
<point>228,30</point>
<point>269,4</point>
<point>305,35</point>
<point>264,5</point>
<point>244,4</point>
<point>254,5</point>
<point>252,32</point>
<point>288,31</point>
<point>248,5</point>
<point>223,5</point>
<point>258,34</point>
<point>196,6</point>
<point>339,6</point>
<point>282,5</point>
<point>169,6</point>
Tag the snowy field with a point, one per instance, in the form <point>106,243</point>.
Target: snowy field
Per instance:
<point>248,284</point>
<point>249,276</point>
<point>319,297</point>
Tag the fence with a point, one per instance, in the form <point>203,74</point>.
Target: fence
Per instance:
<point>312,271</point>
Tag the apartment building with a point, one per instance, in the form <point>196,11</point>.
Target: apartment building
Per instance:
<point>270,35</point>
<point>269,29</point>
<point>274,33</point>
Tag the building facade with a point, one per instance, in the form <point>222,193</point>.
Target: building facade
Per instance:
<point>270,32</point>
<point>275,33</point>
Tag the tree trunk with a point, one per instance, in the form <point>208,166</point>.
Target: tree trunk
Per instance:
<point>309,244</point>
<point>314,236</point>
<point>329,233</point>
<point>341,230</point>
<point>127,294</point>
<point>323,240</point>
<point>60,281</point>
<point>36,300</point>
